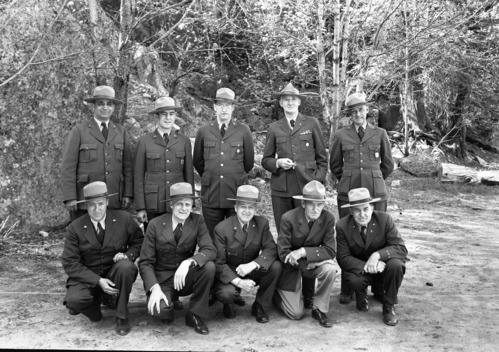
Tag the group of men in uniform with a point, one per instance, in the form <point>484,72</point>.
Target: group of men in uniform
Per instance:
<point>229,248</point>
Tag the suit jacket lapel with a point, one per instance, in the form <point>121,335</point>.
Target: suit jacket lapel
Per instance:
<point>111,132</point>
<point>110,228</point>
<point>187,230</point>
<point>172,139</point>
<point>89,232</point>
<point>238,231</point>
<point>284,125</point>
<point>372,228</point>
<point>231,128</point>
<point>168,231</point>
<point>355,230</point>
<point>215,130</point>
<point>369,133</point>
<point>252,232</point>
<point>95,130</point>
<point>299,123</point>
<point>158,139</point>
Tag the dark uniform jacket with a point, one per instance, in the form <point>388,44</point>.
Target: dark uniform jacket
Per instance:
<point>365,163</point>
<point>235,248</point>
<point>158,166</point>
<point>382,236</point>
<point>319,243</point>
<point>85,260</point>
<point>87,158</point>
<point>161,255</point>
<point>304,145</point>
<point>223,163</point>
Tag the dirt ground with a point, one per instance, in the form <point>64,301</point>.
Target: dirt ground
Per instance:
<point>448,300</point>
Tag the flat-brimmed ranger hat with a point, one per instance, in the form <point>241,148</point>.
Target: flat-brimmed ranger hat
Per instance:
<point>246,193</point>
<point>355,99</point>
<point>289,90</point>
<point>164,104</point>
<point>314,191</point>
<point>94,190</point>
<point>359,196</point>
<point>103,92</point>
<point>225,95</point>
<point>181,190</point>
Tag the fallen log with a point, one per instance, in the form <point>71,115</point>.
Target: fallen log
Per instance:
<point>462,174</point>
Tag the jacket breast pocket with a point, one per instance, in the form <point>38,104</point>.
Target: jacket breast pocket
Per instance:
<point>231,252</point>
<point>307,143</point>
<point>88,153</point>
<point>237,149</point>
<point>282,149</point>
<point>348,153</point>
<point>209,149</point>
<point>152,161</point>
<point>118,151</point>
<point>180,157</point>
<point>374,152</point>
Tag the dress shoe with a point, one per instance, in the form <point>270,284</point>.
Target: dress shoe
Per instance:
<point>96,318</point>
<point>177,305</point>
<point>345,299</point>
<point>194,321</point>
<point>362,302</point>
<point>308,302</point>
<point>229,311</point>
<point>322,318</point>
<point>72,312</point>
<point>389,316</point>
<point>238,300</point>
<point>122,326</point>
<point>258,312</point>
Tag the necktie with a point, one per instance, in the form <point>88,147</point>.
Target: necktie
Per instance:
<point>178,232</point>
<point>363,233</point>
<point>292,123</point>
<point>360,132</point>
<point>104,130</point>
<point>310,224</point>
<point>100,233</point>
<point>245,229</point>
<point>165,136</point>
<point>222,130</point>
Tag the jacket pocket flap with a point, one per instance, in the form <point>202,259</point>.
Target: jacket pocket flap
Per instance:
<point>151,188</point>
<point>374,147</point>
<point>118,146</point>
<point>180,154</point>
<point>305,137</point>
<point>377,173</point>
<point>236,144</point>
<point>88,146</point>
<point>232,252</point>
<point>348,147</point>
<point>82,178</point>
<point>209,144</point>
<point>152,155</point>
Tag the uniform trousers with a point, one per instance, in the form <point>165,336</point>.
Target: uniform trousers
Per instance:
<point>87,300</point>
<point>197,282</point>
<point>291,303</point>
<point>267,280</point>
<point>389,280</point>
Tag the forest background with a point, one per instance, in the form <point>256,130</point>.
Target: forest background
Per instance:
<point>429,67</point>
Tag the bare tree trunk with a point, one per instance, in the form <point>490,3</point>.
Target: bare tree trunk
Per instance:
<point>336,72</point>
<point>321,61</point>
<point>92,9</point>
<point>122,77</point>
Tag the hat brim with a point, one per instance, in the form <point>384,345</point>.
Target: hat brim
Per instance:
<point>242,199</point>
<point>314,199</point>
<point>94,99</point>
<point>373,200</point>
<point>174,108</point>
<point>224,100</point>
<point>180,197</point>
<point>100,196</point>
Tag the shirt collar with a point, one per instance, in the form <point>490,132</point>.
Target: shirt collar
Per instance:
<point>357,127</point>
<point>99,123</point>
<point>102,223</point>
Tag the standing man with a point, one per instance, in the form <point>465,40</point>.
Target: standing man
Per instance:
<point>371,252</point>
<point>295,154</point>
<point>162,158</point>
<point>361,156</point>
<point>171,266</point>
<point>98,256</point>
<point>223,156</point>
<point>246,256</point>
<point>306,246</point>
<point>97,150</point>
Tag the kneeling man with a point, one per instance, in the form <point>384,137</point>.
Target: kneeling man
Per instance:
<point>306,245</point>
<point>371,252</point>
<point>246,256</point>
<point>99,253</point>
<point>168,265</point>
